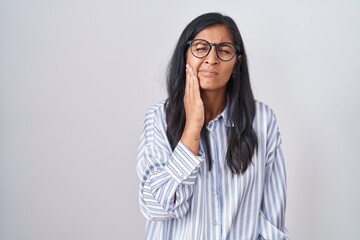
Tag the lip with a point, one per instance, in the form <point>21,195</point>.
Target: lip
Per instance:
<point>208,72</point>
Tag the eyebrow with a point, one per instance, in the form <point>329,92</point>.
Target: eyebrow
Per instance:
<point>201,42</point>
<point>228,42</point>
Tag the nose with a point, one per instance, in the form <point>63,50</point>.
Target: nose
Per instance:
<point>212,57</point>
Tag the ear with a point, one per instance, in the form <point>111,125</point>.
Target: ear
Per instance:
<point>239,59</point>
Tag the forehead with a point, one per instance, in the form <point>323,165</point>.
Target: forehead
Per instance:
<point>215,34</point>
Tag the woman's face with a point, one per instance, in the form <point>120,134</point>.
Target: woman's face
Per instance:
<point>212,72</point>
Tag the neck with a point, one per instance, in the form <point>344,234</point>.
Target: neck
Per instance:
<point>214,104</point>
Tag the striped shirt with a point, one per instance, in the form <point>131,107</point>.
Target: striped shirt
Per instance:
<point>214,204</point>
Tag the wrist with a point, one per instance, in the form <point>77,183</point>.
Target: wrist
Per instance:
<point>191,139</point>
<point>192,129</point>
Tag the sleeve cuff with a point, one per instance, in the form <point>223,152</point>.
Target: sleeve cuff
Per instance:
<point>183,163</point>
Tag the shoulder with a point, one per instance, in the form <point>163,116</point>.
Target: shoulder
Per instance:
<point>264,114</point>
<point>263,109</point>
<point>265,125</point>
<point>155,116</point>
<point>156,110</point>
<point>155,123</point>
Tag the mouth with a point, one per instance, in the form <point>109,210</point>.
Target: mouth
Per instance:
<point>207,72</point>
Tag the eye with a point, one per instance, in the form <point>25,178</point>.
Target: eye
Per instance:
<point>201,47</point>
<point>226,49</point>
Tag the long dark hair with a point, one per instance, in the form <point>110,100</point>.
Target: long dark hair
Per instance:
<point>242,140</point>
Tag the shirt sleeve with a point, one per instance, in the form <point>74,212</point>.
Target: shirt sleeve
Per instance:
<point>164,173</point>
<point>272,212</point>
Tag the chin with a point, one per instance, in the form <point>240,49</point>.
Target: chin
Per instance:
<point>206,86</point>
<point>210,88</point>
<point>209,85</point>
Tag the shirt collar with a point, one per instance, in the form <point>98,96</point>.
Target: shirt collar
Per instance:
<point>226,114</point>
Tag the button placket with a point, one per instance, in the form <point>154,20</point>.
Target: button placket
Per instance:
<point>216,180</point>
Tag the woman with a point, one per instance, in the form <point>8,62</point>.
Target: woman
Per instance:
<point>210,160</point>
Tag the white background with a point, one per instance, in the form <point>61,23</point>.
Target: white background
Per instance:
<point>76,78</point>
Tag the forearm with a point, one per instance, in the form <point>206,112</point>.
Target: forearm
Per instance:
<point>160,184</point>
<point>191,139</point>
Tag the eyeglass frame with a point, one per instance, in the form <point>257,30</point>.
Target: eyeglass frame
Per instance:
<point>237,48</point>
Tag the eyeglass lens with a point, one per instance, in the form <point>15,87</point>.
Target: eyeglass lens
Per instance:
<point>201,48</point>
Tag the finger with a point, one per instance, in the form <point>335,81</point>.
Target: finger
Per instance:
<point>196,87</point>
<point>187,81</point>
<point>191,83</point>
<point>195,84</point>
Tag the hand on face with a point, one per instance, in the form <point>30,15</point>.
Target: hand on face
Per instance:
<point>194,111</point>
<point>194,107</point>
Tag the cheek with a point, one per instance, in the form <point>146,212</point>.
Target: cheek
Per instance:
<point>226,73</point>
<point>193,61</point>
<point>229,69</point>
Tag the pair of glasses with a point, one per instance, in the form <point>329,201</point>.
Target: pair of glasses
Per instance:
<point>226,51</point>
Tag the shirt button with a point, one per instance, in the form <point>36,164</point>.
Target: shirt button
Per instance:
<point>216,223</point>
